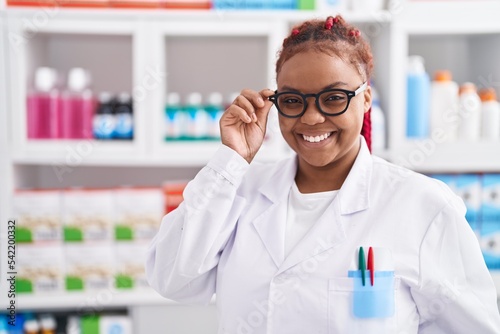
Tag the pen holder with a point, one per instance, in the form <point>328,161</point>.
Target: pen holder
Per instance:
<point>375,301</point>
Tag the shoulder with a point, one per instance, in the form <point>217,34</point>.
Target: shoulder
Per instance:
<point>261,173</point>
<point>413,187</point>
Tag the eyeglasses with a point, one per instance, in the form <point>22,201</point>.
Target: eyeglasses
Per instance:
<point>330,102</point>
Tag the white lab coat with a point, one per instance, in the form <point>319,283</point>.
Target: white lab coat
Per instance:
<point>227,237</point>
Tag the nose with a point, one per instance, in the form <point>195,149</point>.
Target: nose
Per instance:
<point>312,115</point>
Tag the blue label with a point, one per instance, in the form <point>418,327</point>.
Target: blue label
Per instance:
<point>124,127</point>
<point>104,126</point>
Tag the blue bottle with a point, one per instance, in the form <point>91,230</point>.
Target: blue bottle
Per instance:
<point>418,99</point>
<point>104,119</point>
<point>124,121</point>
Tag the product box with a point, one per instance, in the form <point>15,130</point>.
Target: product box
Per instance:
<point>490,209</point>
<point>89,266</point>
<point>87,215</point>
<point>186,4</point>
<point>172,192</point>
<point>100,324</point>
<point>138,213</point>
<point>114,324</point>
<point>490,243</point>
<point>135,3</point>
<point>37,214</point>
<point>468,187</point>
<point>449,179</point>
<point>256,4</point>
<point>40,268</point>
<point>130,258</point>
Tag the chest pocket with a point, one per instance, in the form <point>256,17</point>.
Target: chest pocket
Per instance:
<point>353,308</point>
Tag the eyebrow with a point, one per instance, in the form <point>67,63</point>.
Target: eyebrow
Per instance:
<point>330,86</point>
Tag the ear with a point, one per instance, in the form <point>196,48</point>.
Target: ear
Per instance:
<point>368,98</point>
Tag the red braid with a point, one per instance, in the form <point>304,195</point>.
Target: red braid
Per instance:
<point>366,130</point>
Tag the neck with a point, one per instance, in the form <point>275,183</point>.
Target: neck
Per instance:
<point>312,179</point>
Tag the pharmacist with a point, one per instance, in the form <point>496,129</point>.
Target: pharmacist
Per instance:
<point>332,240</point>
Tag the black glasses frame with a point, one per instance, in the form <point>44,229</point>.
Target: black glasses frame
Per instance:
<point>350,94</point>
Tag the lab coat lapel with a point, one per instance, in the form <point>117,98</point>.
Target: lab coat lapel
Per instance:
<point>325,234</point>
<point>329,231</point>
<point>271,224</point>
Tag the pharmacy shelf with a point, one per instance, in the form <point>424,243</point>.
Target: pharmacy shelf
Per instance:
<point>100,153</point>
<point>78,152</point>
<point>428,156</point>
<point>446,17</point>
<point>97,300</point>
<point>210,15</point>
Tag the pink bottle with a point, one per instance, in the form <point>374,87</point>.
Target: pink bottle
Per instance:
<point>43,106</point>
<point>78,105</point>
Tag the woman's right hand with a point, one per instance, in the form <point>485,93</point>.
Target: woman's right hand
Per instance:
<point>243,124</point>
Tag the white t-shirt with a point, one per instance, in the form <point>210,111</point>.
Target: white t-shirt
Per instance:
<point>303,211</point>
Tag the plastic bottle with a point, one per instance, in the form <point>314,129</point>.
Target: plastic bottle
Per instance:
<point>104,119</point>
<point>43,108</point>
<point>198,118</point>
<point>215,109</point>
<point>175,118</point>
<point>73,326</point>
<point>331,5</point>
<point>470,113</point>
<point>490,114</point>
<point>366,5</point>
<point>31,326</point>
<point>378,123</point>
<point>124,122</point>
<point>78,105</point>
<point>444,106</point>
<point>417,99</point>
<point>48,324</point>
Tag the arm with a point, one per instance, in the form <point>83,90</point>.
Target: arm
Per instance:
<point>455,293</point>
<point>182,258</point>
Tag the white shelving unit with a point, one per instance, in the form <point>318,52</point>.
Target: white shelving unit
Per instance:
<point>464,39</point>
<point>136,43</point>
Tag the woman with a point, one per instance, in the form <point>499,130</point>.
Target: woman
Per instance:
<point>283,246</point>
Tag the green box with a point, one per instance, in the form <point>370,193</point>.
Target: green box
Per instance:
<point>306,4</point>
<point>74,283</point>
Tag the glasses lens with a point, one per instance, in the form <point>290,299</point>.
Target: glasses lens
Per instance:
<point>290,104</point>
<point>333,102</point>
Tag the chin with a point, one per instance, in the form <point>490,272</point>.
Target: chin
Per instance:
<point>319,163</point>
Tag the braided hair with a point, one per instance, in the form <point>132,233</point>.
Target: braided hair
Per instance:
<point>334,37</point>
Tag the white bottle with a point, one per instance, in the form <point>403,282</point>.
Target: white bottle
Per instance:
<point>470,113</point>
<point>31,327</point>
<point>490,111</point>
<point>215,108</point>
<point>367,5</point>
<point>444,106</point>
<point>198,117</point>
<point>331,5</point>
<point>378,123</point>
<point>175,118</point>
<point>48,324</point>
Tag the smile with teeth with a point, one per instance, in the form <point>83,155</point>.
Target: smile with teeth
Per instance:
<point>316,139</point>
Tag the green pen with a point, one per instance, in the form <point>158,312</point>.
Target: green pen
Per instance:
<point>362,264</point>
